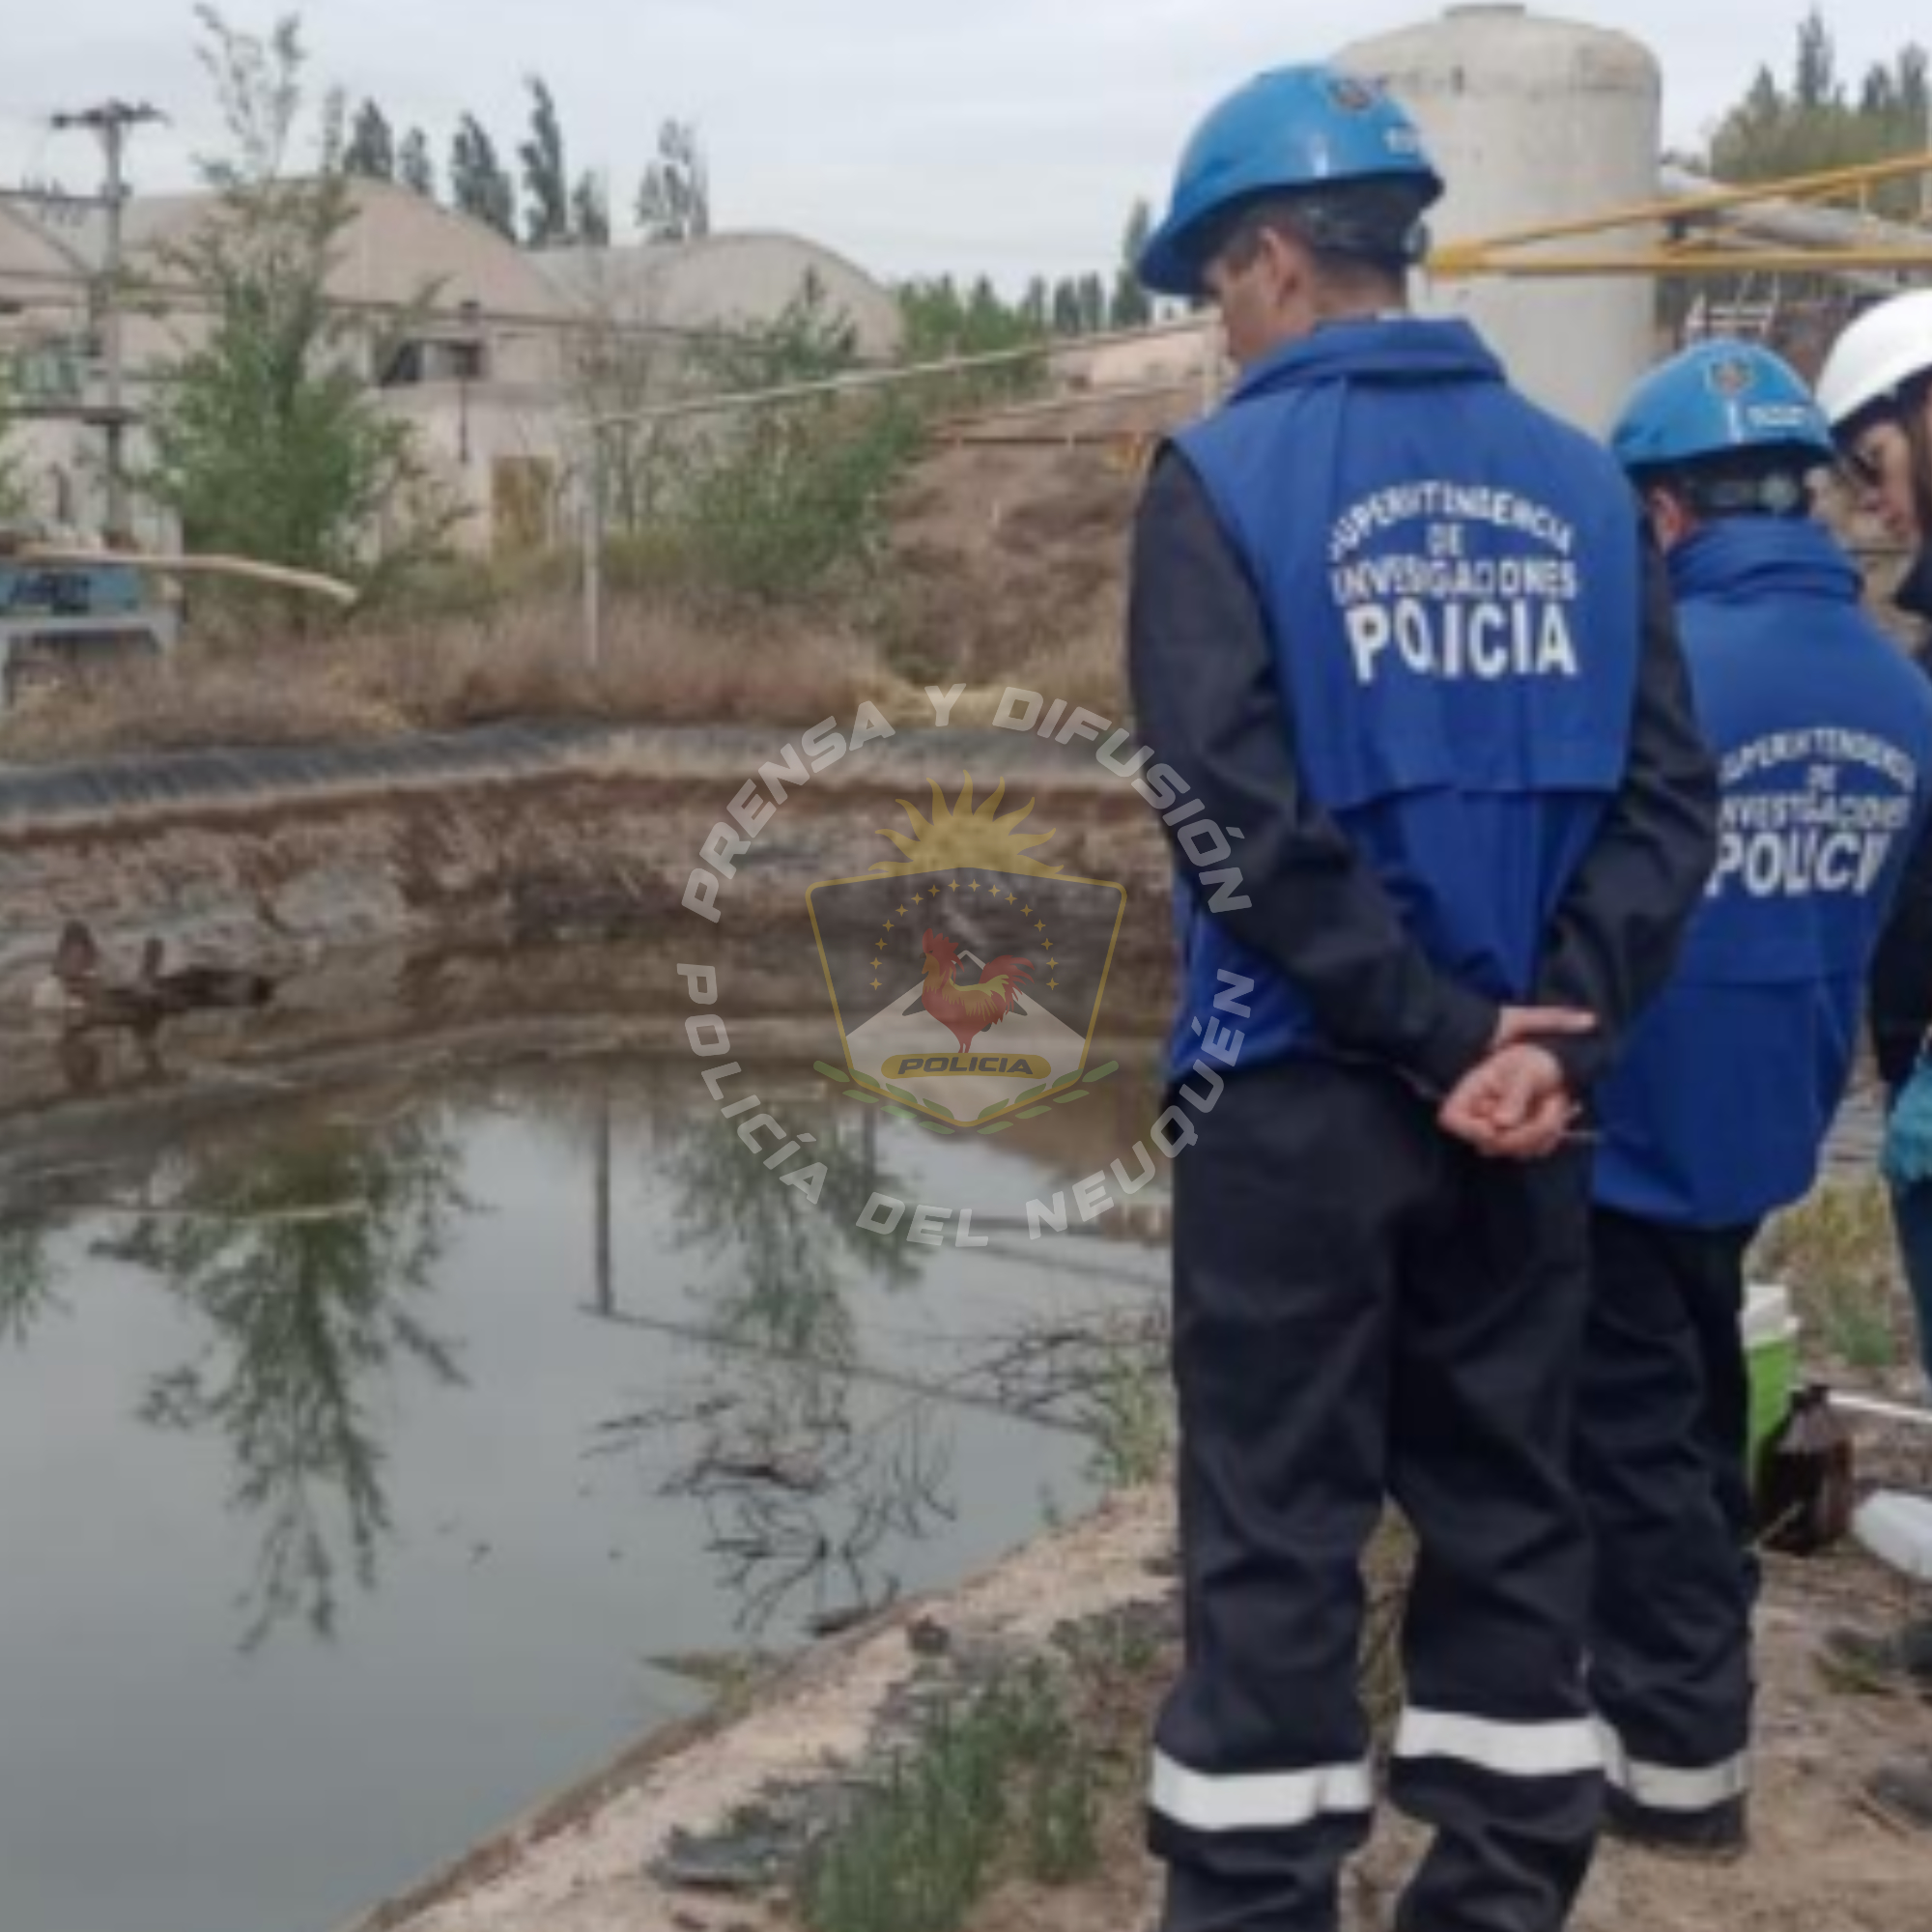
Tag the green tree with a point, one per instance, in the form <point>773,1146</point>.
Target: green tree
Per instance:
<point>1814,123</point>
<point>674,201</point>
<point>941,323</point>
<point>478,186</point>
<point>784,497</point>
<point>932,316</point>
<point>1815,74</point>
<point>372,146</point>
<point>590,212</point>
<point>266,440</point>
<point>414,167</point>
<point>29,1278</point>
<point>1898,99</point>
<point>546,173</point>
<point>1066,311</point>
<point>1133,306</point>
<point>618,371</point>
<point>987,317</point>
<point>1092,304</point>
<point>12,489</point>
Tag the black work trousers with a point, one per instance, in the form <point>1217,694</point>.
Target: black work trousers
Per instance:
<point>1366,1309</point>
<point>1663,1416</point>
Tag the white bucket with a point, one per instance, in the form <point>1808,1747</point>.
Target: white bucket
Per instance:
<point>1768,1318</point>
<point>1897,1529</point>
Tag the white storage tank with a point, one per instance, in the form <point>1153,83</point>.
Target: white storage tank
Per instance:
<point>1533,119</point>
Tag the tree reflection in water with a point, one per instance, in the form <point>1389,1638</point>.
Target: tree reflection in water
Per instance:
<point>804,1494</point>
<point>29,1280</point>
<point>308,1263</point>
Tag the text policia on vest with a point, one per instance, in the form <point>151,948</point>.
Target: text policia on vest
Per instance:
<point>1458,605</point>
<point>1811,812</point>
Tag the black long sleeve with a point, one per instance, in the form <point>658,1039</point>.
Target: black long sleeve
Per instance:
<point>1902,972</point>
<point>1208,700</point>
<point>1623,919</point>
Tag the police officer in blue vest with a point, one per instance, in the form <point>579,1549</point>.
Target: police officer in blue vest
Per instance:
<point>1717,1110</point>
<point>1403,630</point>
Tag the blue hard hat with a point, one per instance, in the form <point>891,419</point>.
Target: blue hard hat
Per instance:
<point>1295,126</point>
<point>1717,399</point>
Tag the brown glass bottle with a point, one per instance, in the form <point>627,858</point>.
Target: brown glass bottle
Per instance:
<point>1805,1486</point>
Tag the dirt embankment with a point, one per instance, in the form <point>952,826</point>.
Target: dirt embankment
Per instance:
<point>495,894</point>
<point>584,1864</point>
<point>730,1803</point>
<point>1821,1860</point>
<point>505,836</point>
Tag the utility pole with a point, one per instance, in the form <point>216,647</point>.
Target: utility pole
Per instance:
<point>1925,179</point>
<point>607,1291</point>
<point>112,122</point>
<point>592,490</point>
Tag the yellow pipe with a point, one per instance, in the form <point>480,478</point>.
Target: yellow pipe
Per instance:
<point>279,574</point>
<point>1665,214</point>
<point>1473,258</point>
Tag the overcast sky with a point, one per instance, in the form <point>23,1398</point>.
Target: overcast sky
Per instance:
<point>1000,135</point>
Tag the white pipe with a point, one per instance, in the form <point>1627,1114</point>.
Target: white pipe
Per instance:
<point>1879,1411</point>
<point>1049,350</point>
<point>1797,224</point>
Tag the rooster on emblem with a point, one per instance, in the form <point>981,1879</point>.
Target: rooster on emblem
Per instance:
<point>966,1012</point>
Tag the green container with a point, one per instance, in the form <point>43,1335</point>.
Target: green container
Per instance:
<point>1770,1354</point>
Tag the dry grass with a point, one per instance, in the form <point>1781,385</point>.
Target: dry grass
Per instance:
<point>312,695</point>
<point>661,662</point>
<point>664,662</point>
<point>1004,567</point>
<point>1008,566</point>
<point>1086,666</point>
<point>1836,1253</point>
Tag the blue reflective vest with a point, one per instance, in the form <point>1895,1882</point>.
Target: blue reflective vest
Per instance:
<point>1823,733</point>
<point>1452,583</point>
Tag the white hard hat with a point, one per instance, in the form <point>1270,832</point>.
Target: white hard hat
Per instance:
<point>1879,353</point>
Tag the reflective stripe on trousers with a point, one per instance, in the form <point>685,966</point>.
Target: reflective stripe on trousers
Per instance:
<point>1674,1788</point>
<point>1287,1800</point>
<point>1570,1747</point>
<point>1259,1801</point>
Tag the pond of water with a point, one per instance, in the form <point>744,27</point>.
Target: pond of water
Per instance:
<point>373,1467</point>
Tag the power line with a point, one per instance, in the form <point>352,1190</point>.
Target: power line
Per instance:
<point>112,122</point>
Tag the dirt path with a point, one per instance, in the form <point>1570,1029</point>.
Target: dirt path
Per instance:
<point>1821,1862</point>
<point>585,1863</point>
<point>594,1863</point>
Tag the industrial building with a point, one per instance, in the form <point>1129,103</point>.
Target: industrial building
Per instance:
<point>490,367</point>
<point>1541,126</point>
